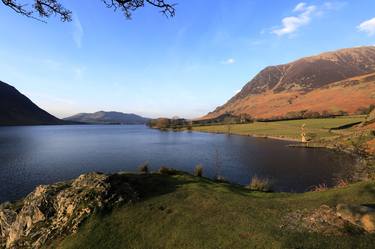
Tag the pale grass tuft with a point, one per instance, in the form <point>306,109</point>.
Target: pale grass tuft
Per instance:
<point>260,184</point>
<point>319,188</point>
<point>341,183</point>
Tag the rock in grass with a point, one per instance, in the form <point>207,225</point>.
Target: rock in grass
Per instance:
<point>342,220</point>
<point>362,216</point>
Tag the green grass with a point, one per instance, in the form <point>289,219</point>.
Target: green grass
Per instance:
<point>290,129</point>
<point>182,211</point>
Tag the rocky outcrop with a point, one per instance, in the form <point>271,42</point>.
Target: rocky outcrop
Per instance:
<point>340,220</point>
<point>52,211</point>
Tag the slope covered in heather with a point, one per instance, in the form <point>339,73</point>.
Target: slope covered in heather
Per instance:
<point>342,80</point>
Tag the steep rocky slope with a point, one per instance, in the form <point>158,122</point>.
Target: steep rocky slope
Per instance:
<point>343,80</point>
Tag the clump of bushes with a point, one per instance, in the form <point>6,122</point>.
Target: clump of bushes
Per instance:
<point>143,168</point>
<point>260,184</point>
<point>167,171</point>
<point>198,171</point>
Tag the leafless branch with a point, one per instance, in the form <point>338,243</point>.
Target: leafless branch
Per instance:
<point>46,8</point>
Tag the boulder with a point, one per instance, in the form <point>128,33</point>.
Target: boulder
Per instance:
<point>360,215</point>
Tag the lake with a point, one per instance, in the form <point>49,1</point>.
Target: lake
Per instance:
<point>33,155</point>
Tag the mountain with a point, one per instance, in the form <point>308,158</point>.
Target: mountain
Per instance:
<point>108,118</point>
<point>342,80</point>
<point>17,109</point>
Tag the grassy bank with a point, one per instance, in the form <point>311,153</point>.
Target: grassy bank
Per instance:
<point>321,128</point>
<point>183,211</point>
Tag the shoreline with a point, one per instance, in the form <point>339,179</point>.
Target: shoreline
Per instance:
<point>254,136</point>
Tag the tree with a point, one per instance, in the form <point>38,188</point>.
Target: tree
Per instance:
<point>46,8</point>
<point>228,123</point>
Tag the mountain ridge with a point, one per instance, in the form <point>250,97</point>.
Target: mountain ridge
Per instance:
<point>108,117</point>
<point>301,77</point>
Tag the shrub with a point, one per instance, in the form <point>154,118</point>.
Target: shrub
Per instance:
<point>198,171</point>
<point>341,113</point>
<point>167,171</point>
<point>220,179</point>
<point>143,168</point>
<point>311,136</point>
<point>311,114</point>
<point>260,184</point>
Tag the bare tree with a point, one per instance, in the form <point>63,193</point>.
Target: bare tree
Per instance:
<point>46,8</point>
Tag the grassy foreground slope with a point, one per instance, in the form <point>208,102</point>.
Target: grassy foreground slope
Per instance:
<point>183,211</point>
<point>290,129</point>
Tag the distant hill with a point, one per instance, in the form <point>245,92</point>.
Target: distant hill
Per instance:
<point>103,117</point>
<point>17,109</point>
<point>342,80</point>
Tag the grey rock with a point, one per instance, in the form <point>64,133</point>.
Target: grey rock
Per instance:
<point>57,210</point>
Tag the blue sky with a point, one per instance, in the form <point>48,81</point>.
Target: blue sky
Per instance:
<point>155,66</point>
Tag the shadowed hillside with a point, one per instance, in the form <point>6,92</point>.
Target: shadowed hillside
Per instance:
<point>17,109</point>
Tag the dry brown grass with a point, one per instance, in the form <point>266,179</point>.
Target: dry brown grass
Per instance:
<point>319,188</point>
<point>198,171</point>
<point>336,96</point>
<point>341,183</point>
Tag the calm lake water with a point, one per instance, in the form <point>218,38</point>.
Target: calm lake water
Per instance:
<point>33,155</point>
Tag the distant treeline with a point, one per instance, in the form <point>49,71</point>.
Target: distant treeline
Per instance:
<point>229,118</point>
<point>180,123</point>
<point>306,114</point>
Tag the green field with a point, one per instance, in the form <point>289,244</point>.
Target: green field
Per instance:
<point>291,129</point>
<point>184,211</point>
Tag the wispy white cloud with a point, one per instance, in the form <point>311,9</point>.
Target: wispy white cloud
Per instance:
<point>334,5</point>
<point>304,13</point>
<point>300,7</point>
<point>367,27</point>
<point>291,24</point>
<point>78,32</point>
<point>229,61</point>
